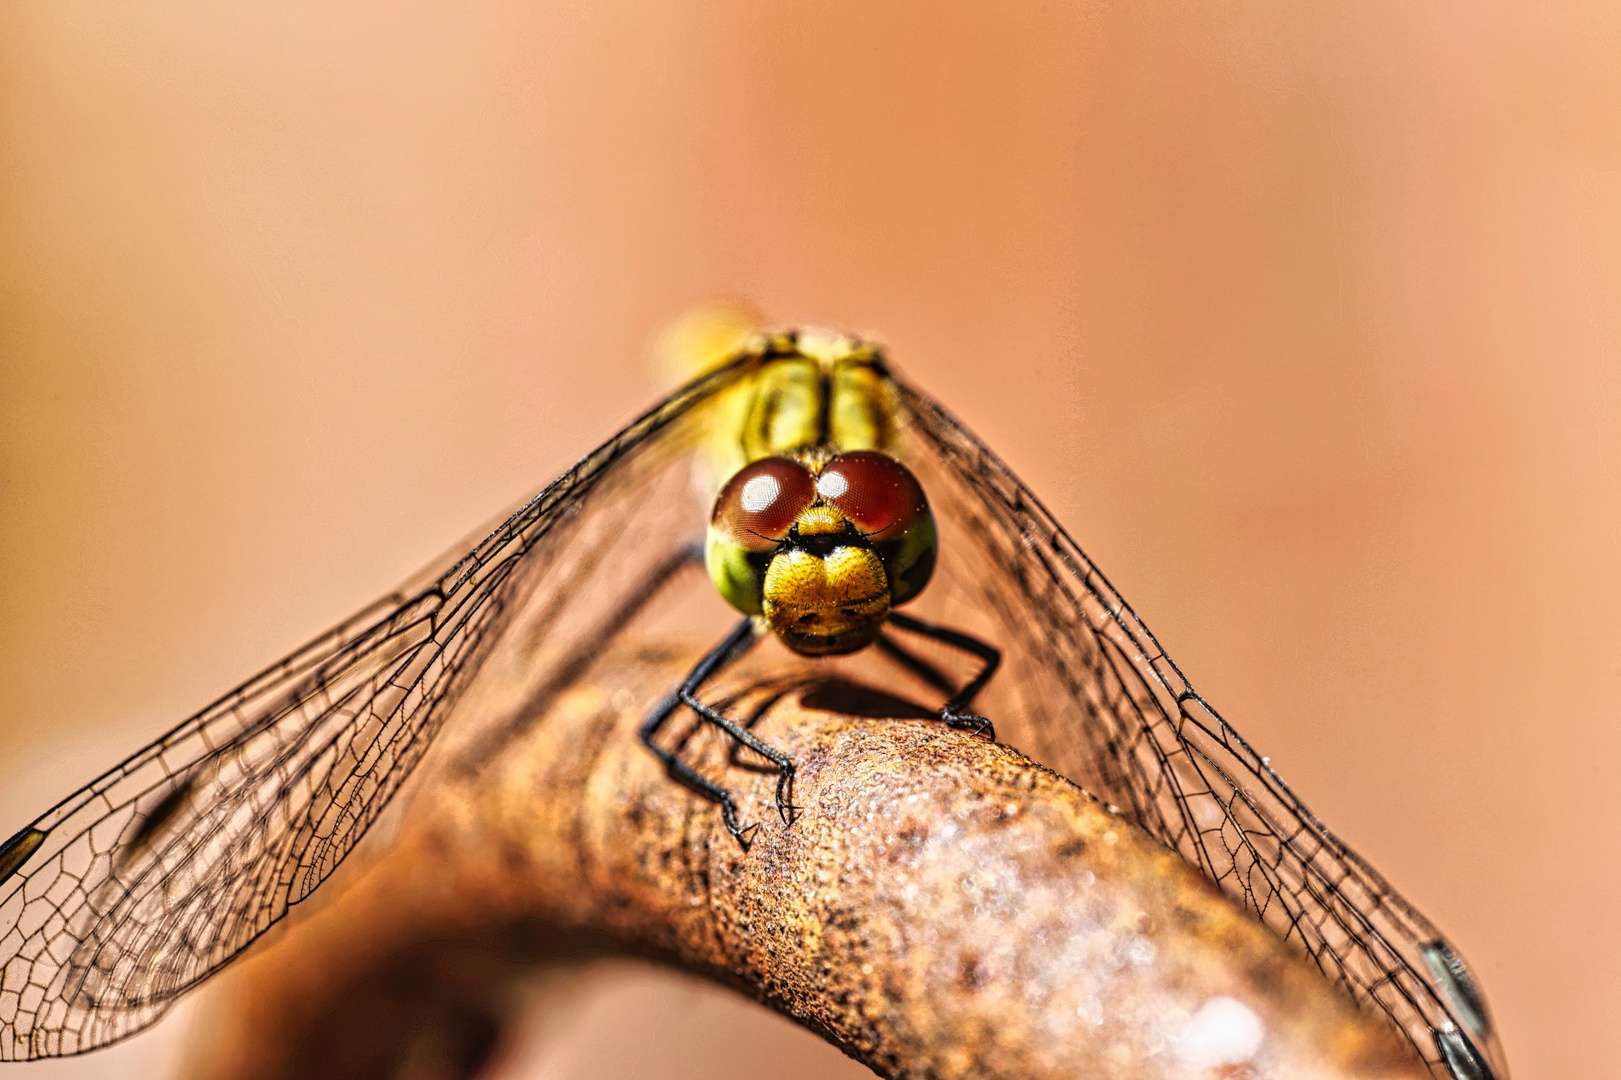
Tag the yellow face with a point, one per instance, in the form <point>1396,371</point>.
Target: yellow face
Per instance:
<point>821,547</point>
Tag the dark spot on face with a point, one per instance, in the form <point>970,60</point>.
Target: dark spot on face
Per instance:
<point>972,974</point>
<point>1071,849</point>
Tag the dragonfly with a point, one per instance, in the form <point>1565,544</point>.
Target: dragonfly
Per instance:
<point>844,493</point>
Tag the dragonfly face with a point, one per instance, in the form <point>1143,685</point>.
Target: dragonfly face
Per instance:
<point>821,545</point>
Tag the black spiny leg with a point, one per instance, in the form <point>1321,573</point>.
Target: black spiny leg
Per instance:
<point>955,711</point>
<point>729,651</point>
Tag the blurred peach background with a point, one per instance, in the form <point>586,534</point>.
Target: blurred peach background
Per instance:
<point>1306,319</point>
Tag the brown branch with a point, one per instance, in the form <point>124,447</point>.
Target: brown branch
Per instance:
<point>941,907</point>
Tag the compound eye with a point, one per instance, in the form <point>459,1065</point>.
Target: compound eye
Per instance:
<point>878,494</point>
<point>759,505</point>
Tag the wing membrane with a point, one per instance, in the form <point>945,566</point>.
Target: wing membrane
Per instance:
<point>146,880</point>
<point>150,877</point>
<point>1101,702</point>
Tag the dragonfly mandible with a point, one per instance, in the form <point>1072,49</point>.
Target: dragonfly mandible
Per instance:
<point>844,490</point>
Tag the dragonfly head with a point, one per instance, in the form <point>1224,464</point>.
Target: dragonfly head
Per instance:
<point>821,547</point>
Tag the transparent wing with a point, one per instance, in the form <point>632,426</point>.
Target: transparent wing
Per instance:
<point>152,876</point>
<point>1101,702</point>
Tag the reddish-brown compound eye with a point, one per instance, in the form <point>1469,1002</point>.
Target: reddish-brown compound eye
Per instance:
<point>758,506</point>
<point>878,494</point>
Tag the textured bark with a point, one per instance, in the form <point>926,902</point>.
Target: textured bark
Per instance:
<point>939,907</point>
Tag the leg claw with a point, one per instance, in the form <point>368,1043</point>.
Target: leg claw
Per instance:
<point>744,835</point>
<point>971,722</point>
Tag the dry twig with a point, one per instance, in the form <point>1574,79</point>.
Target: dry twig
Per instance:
<point>941,907</point>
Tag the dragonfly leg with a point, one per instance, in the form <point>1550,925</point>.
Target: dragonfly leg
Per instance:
<point>690,777</point>
<point>738,642</point>
<point>757,709</point>
<point>784,764</point>
<point>955,711</point>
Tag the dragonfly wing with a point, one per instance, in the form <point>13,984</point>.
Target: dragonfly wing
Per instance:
<point>152,876</point>
<point>1100,701</point>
